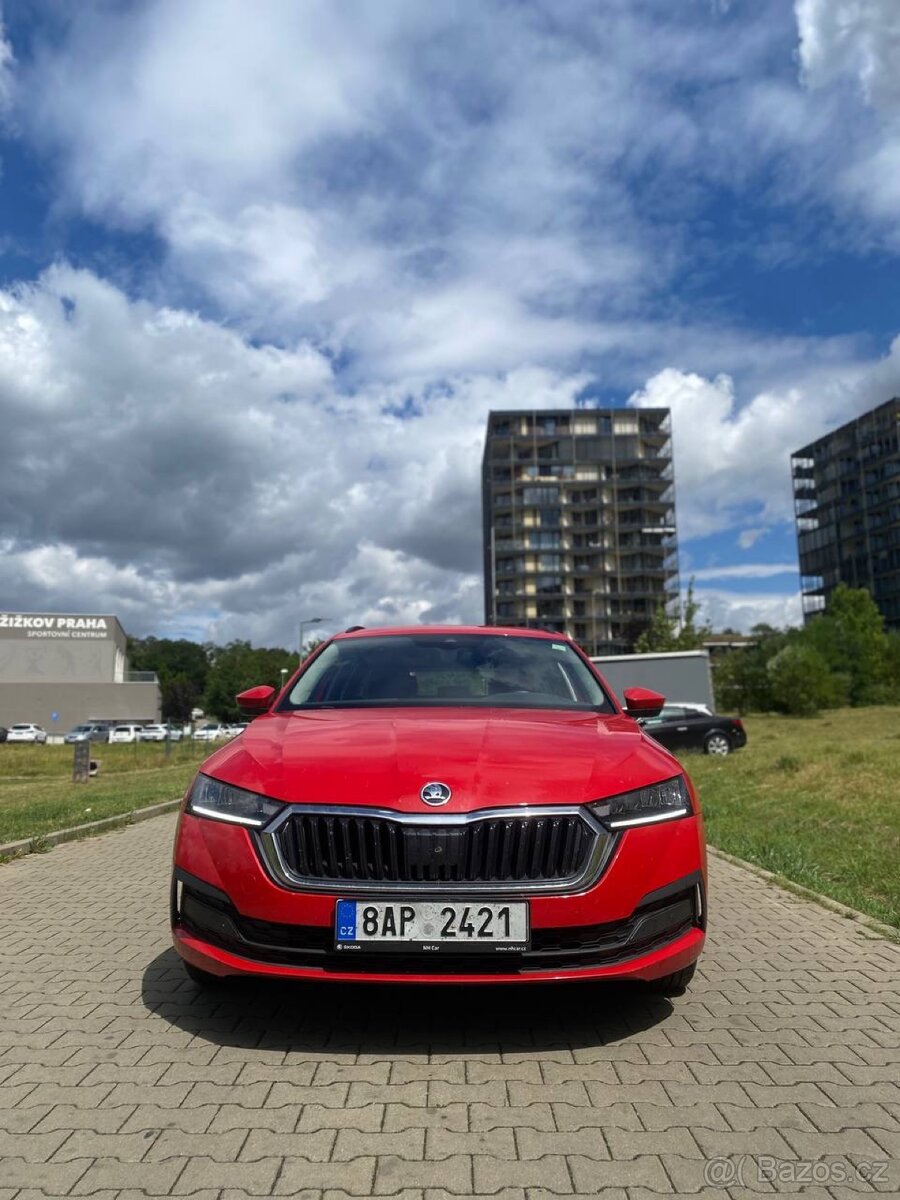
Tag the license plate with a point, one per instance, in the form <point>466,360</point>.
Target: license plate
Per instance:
<point>430,925</point>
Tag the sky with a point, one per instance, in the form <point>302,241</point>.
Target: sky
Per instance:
<point>264,270</point>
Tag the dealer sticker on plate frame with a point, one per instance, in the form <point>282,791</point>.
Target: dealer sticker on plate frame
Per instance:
<point>432,925</point>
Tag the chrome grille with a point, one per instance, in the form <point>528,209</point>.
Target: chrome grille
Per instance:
<point>540,849</point>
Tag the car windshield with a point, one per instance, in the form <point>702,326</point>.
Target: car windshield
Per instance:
<point>481,670</point>
<point>21,728</point>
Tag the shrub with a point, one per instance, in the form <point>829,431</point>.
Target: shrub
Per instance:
<point>801,682</point>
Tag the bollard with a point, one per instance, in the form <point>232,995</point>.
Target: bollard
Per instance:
<point>81,762</point>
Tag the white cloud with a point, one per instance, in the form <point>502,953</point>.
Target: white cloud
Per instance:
<point>746,571</point>
<point>7,61</point>
<point>162,467</point>
<point>419,187</point>
<point>748,538</point>
<point>733,459</point>
<point>742,610</point>
<point>386,209</point>
<point>858,42</point>
<point>859,38</point>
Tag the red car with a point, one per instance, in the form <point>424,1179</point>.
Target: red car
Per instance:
<point>452,805</point>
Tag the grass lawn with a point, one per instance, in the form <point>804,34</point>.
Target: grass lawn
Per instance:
<point>816,800</point>
<point>37,794</point>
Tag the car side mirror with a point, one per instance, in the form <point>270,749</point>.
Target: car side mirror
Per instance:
<point>641,702</point>
<point>255,699</point>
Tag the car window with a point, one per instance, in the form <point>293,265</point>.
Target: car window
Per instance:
<point>671,712</point>
<point>485,670</point>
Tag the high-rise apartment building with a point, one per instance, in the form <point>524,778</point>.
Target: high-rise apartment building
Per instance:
<point>579,522</point>
<point>847,507</point>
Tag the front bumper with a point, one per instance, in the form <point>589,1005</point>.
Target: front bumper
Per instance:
<point>644,918</point>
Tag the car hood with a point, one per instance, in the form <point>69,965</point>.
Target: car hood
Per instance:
<point>489,757</point>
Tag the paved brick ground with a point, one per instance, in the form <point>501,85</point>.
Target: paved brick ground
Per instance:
<point>118,1079</point>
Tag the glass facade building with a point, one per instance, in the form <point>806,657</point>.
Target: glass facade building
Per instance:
<point>847,509</point>
<point>579,522</point>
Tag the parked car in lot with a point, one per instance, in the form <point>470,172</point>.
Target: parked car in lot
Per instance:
<point>442,805</point>
<point>124,733</point>
<point>159,733</point>
<point>682,727</point>
<point>88,733</point>
<point>26,732</point>
<point>211,733</point>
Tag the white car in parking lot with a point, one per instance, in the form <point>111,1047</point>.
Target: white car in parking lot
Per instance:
<point>125,733</point>
<point>159,733</point>
<point>211,733</point>
<point>26,732</point>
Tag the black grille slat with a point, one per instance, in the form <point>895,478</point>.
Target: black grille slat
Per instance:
<point>318,867</point>
<point>552,845</point>
<point>344,847</point>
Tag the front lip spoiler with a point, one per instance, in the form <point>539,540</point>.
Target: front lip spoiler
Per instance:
<point>604,846</point>
<point>664,960</point>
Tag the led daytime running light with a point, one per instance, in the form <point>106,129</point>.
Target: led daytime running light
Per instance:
<point>664,801</point>
<point>220,801</point>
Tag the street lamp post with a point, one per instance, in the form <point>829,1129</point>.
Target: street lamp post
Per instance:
<point>303,624</point>
<point>283,672</point>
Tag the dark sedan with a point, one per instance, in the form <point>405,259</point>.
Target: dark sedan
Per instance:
<point>679,727</point>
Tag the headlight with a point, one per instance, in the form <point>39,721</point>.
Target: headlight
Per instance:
<point>212,798</point>
<point>661,802</point>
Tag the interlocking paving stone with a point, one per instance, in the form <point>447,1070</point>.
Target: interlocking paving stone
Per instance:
<point>401,1116</point>
<point>118,1079</point>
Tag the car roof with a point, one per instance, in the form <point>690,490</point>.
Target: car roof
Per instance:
<point>483,630</point>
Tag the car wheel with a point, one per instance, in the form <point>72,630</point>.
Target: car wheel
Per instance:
<point>674,984</point>
<point>203,979</point>
<point>717,743</point>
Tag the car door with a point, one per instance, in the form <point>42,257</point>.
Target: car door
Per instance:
<point>669,728</point>
<point>696,726</point>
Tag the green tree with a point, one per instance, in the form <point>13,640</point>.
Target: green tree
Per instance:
<point>741,680</point>
<point>801,681</point>
<point>667,631</point>
<point>850,637</point>
<point>179,697</point>
<point>182,668</point>
<point>238,666</point>
<point>892,667</point>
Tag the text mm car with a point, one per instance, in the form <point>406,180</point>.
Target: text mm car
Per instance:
<point>453,805</point>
